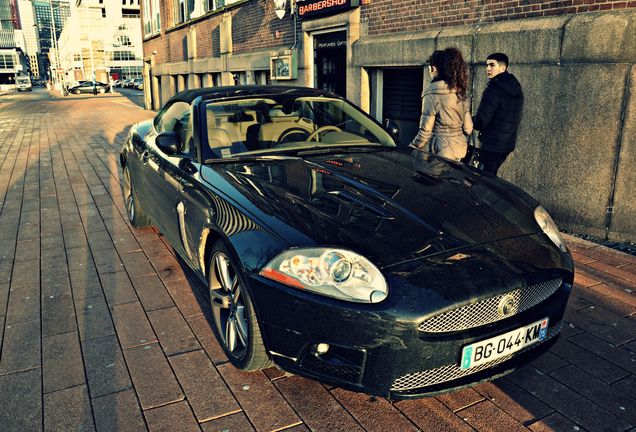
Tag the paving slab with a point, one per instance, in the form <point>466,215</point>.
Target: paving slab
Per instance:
<point>118,412</point>
<point>205,390</point>
<point>515,401</point>
<point>93,318</point>
<point>132,324</point>
<point>20,347</point>
<point>62,365</point>
<point>68,410</point>
<point>58,314</point>
<point>105,367</point>
<point>263,404</point>
<point>21,407</point>
<point>118,288</point>
<point>486,416</point>
<point>152,293</point>
<point>154,380</point>
<point>318,408</point>
<point>234,422</point>
<point>173,332</point>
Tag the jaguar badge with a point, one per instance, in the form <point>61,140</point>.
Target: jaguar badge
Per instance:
<point>507,306</point>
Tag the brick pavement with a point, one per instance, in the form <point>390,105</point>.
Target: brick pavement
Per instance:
<point>101,330</point>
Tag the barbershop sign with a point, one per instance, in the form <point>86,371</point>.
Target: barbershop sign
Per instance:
<point>319,8</point>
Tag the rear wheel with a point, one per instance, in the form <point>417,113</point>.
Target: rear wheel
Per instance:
<point>133,209</point>
<point>102,90</point>
<point>234,319</point>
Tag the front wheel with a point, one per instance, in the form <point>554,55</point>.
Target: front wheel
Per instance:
<point>77,92</point>
<point>135,214</point>
<point>102,90</point>
<point>234,320</point>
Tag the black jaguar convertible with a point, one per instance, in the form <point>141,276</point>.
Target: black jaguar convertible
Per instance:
<point>334,254</point>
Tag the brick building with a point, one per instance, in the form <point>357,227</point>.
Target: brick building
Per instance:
<point>573,57</point>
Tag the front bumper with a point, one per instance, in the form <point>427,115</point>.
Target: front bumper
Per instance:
<point>382,352</point>
<point>384,349</point>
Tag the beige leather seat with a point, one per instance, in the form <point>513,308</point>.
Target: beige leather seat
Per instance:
<point>218,137</point>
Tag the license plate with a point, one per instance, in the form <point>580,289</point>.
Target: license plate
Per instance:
<point>500,346</point>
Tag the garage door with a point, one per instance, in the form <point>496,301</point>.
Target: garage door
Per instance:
<point>402,100</point>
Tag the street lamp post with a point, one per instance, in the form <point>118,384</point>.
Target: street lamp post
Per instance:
<point>54,43</point>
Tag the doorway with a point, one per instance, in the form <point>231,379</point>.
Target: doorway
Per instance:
<point>330,60</point>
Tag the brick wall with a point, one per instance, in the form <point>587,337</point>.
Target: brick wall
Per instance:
<point>254,25</point>
<point>391,16</point>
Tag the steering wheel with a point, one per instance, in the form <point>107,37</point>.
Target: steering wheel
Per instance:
<point>292,131</point>
<point>315,135</point>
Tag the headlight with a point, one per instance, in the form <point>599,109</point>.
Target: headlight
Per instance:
<point>549,228</point>
<point>336,273</point>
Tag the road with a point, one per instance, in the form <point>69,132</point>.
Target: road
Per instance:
<point>100,328</point>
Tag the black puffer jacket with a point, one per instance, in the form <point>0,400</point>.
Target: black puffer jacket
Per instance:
<point>499,113</point>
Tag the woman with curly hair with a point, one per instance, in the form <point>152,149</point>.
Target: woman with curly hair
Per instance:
<point>446,122</point>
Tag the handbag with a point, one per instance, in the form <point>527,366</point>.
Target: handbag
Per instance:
<point>473,155</point>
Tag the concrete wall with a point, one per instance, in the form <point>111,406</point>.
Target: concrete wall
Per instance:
<point>576,150</point>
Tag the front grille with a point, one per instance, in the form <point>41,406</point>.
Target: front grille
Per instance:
<point>486,311</point>
<point>452,372</point>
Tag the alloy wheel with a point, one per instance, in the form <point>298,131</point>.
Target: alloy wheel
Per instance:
<point>228,306</point>
<point>128,196</point>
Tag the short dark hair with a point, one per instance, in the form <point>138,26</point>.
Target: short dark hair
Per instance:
<point>499,58</point>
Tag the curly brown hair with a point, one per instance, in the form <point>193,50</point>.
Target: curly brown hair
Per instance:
<point>451,68</point>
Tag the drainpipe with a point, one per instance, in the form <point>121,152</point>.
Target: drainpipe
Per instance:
<point>617,152</point>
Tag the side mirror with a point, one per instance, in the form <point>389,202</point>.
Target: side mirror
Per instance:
<point>168,142</point>
<point>392,129</point>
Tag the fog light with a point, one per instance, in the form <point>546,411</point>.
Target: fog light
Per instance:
<point>322,348</point>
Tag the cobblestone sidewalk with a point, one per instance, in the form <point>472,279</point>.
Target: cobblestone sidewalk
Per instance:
<point>101,330</point>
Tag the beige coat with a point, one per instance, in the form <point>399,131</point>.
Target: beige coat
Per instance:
<point>445,123</point>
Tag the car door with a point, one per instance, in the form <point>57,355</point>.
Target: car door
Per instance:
<point>162,186</point>
<point>191,204</point>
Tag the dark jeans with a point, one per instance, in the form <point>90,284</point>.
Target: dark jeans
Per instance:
<point>492,160</point>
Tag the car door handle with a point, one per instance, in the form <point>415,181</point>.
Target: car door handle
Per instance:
<point>144,157</point>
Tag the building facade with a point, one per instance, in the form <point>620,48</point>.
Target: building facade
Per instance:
<point>571,57</point>
<point>13,61</point>
<point>8,23</point>
<point>30,35</point>
<point>50,19</point>
<point>102,41</point>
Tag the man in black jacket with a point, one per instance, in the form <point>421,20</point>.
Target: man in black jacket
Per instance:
<point>499,113</point>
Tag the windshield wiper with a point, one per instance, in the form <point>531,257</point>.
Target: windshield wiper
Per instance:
<point>243,158</point>
<point>340,149</point>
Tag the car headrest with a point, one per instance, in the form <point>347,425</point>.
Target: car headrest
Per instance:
<point>210,118</point>
<point>218,137</point>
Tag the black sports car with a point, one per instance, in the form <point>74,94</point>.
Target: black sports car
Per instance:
<point>89,87</point>
<point>332,253</point>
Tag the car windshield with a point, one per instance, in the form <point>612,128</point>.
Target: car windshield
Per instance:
<point>283,124</point>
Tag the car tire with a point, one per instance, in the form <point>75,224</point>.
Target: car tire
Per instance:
<point>77,92</point>
<point>102,90</point>
<point>134,211</point>
<point>234,320</point>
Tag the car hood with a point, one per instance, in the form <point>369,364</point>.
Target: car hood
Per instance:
<point>385,205</point>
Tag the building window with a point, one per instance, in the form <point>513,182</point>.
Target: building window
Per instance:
<point>123,56</point>
<point>6,61</point>
<point>216,4</point>
<point>124,41</point>
<point>151,17</point>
